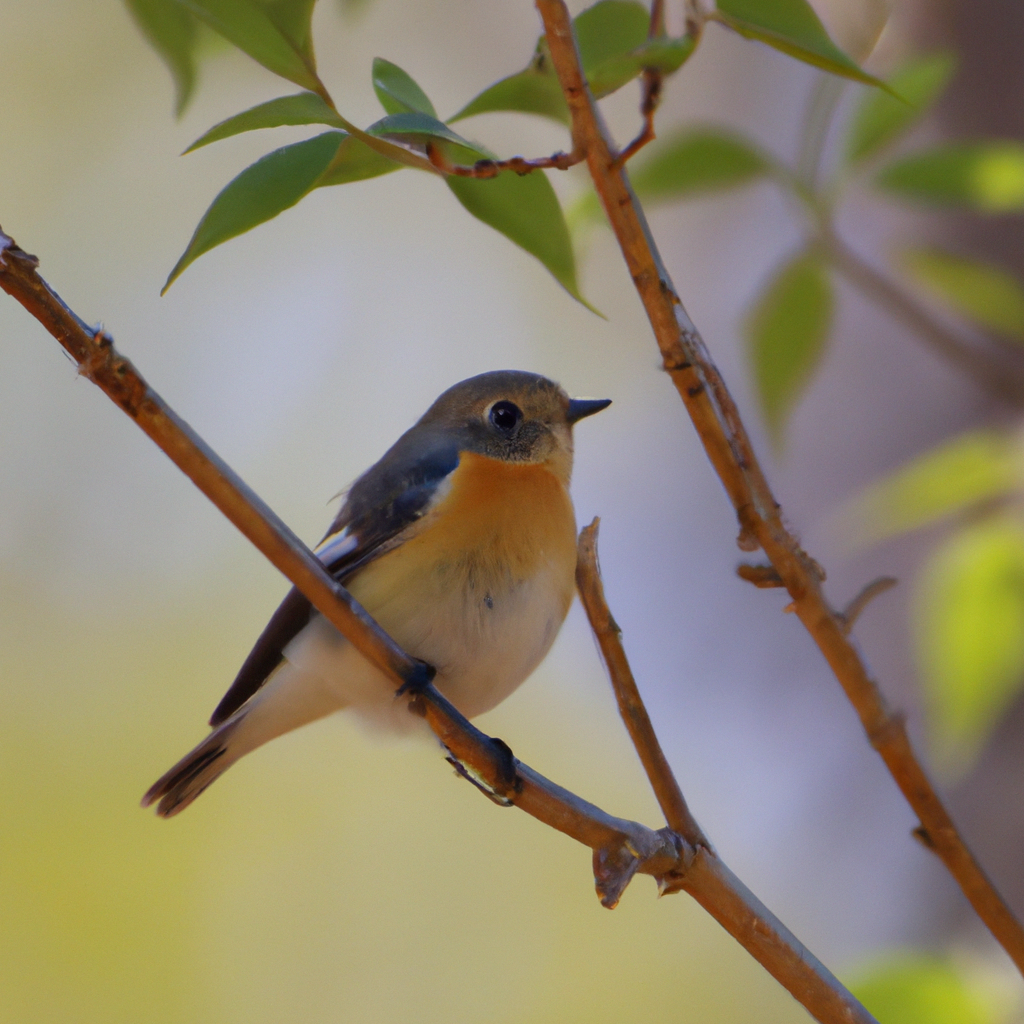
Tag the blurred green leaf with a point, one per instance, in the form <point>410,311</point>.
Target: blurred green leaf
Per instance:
<point>688,163</point>
<point>414,128</point>
<point>881,118</point>
<point>970,635</point>
<point>971,468</point>
<point>302,108</point>
<point>275,33</point>
<point>909,988</point>
<point>355,161</point>
<point>525,209</point>
<point>272,184</point>
<point>608,29</point>
<point>693,161</point>
<point>396,90</point>
<point>986,176</point>
<point>786,331</point>
<point>294,19</point>
<point>171,31</point>
<point>534,90</point>
<point>792,27</point>
<point>986,294</point>
<point>665,55</point>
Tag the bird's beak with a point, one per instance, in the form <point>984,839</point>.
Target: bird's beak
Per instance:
<point>580,407</point>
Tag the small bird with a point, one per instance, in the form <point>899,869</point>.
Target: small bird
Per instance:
<point>460,542</point>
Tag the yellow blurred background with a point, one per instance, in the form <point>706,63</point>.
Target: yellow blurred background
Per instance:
<point>331,876</point>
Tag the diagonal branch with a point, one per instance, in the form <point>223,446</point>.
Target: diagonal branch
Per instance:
<point>717,421</point>
<point>621,848</point>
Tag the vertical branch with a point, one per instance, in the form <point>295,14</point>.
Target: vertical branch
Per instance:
<point>718,424</point>
<point>631,705</point>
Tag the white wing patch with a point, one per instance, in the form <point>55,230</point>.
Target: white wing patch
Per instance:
<point>337,546</point>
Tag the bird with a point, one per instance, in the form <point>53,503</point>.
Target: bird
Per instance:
<point>460,542</point>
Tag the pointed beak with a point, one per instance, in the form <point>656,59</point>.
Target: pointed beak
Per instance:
<point>580,407</point>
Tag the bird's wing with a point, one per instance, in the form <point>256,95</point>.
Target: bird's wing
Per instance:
<point>381,508</point>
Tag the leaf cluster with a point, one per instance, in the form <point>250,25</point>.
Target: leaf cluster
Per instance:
<point>616,46</point>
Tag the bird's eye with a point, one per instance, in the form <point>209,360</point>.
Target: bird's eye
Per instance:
<point>505,416</point>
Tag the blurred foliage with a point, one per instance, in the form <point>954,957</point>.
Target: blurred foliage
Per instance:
<point>969,602</point>
<point>787,330</point>
<point>987,295</point>
<point>986,177</point>
<point>910,988</point>
<point>957,476</point>
<point>970,634</point>
<point>881,117</point>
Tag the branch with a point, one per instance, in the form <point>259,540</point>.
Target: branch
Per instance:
<point>717,421</point>
<point>708,880</point>
<point>631,705</point>
<point>492,168</point>
<point>621,848</point>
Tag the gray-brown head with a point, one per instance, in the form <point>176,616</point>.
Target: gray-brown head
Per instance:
<point>513,416</point>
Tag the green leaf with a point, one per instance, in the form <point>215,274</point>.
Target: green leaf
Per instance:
<point>694,161</point>
<point>972,468</point>
<point>525,209</point>
<point>414,128</point>
<point>792,27</point>
<point>985,176</point>
<point>272,184</point>
<point>881,118</point>
<point>171,31</point>
<point>302,108</point>
<point>986,294</point>
<point>910,988</point>
<point>275,33</point>
<point>355,161</point>
<point>294,19</point>
<point>786,332</point>
<point>397,92</point>
<point>609,29</point>
<point>665,55</point>
<point>970,635</point>
<point>535,90</point>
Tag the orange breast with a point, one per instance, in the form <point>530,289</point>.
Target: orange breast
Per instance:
<point>515,516</point>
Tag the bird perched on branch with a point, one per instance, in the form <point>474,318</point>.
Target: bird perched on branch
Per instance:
<point>460,542</point>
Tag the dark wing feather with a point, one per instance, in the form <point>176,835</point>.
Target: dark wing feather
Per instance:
<point>382,504</point>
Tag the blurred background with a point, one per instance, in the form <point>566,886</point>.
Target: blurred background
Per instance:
<point>336,877</point>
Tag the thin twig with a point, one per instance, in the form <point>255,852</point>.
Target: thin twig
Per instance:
<point>492,168</point>
<point>651,82</point>
<point>621,848</point>
<point>631,705</point>
<point>717,421</point>
<point>852,612</point>
<point>1001,376</point>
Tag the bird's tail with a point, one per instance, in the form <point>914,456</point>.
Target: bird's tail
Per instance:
<point>291,697</point>
<point>177,788</point>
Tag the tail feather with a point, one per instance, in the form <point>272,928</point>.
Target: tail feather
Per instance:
<point>177,788</point>
<point>291,697</point>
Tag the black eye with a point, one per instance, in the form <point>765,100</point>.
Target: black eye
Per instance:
<point>505,416</point>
